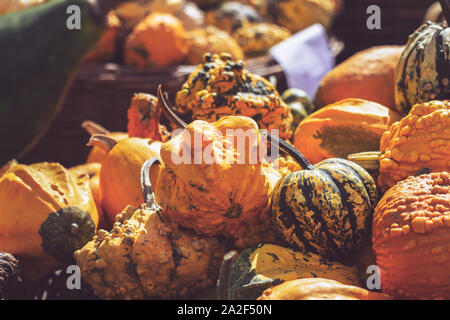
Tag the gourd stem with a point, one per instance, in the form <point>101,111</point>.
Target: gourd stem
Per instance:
<point>146,185</point>
<point>94,128</point>
<point>290,150</point>
<point>368,160</point>
<point>102,141</point>
<point>168,110</point>
<point>445,5</point>
<point>224,274</point>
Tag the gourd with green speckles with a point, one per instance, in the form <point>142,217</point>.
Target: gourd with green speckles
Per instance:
<point>222,87</point>
<point>299,103</point>
<point>423,72</point>
<point>339,129</point>
<point>326,208</point>
<point>267,265</point>
<point>46,213</point>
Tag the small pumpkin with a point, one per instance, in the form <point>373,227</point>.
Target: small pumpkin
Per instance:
<point>297,15</point>
<point>97,154</point>
<point>421,139</point>
<point>368,75</point>
<point>299,103</point>
<point>345,127</point>
<point>146,256</point>
<point>319,289</point>
<point>422,73</point>
<point>213,40</point>
<point>256,39</point>
<point>157,41</point>
<point>143,118</point>
<point>324,209</point>
<point>232,15</point>
<point>119,173</point>
<point>221,87</point>
<point>267,265</point>
<point>411,237</point>
<point>52,214</point>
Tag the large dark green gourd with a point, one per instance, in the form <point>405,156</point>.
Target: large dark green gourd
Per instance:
<point>66,231</point>
<point>38,58</point>
<point>423,71</point>
<point>326,208</point>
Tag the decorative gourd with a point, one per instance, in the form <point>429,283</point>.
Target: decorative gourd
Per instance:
<point>232,15</point>
<point>221,86</point>
<point>213,40</point>
<point>157,41</point>
<point>319,289</point>
<point>219,186</point>
<point>256,39</point>
<point>368,75</point>
<point>97,154</point>
<point>299,103</point>
<point>421,139</point>
<point>411,237</point>
<point>119,174</point>
<point>297,15</point>
<point>345,127</point>
<point>267,265</point>
<point>9,271</point>
<point>423,72</point>
<point>143,118</point>
<point>146,256</point>
<point>45,215</point>
<point>105,49</point>
<point>92,171</point>
<point>324,209</point>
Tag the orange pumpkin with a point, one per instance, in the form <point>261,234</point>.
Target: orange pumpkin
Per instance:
<point>342,128</point>
<point>120,172</point>
<point>156,41</point>
<point>411,237</point>
<point>319,289</point>
<point>368,75</point>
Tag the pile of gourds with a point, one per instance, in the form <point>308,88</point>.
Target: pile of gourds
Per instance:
<point>355,184</point>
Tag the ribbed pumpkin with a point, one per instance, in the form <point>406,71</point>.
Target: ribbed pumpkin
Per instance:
<point>267,265</point>
<point>345,127</point>
<point>119,175</point>
<point>411,237</point>
<point>221,87</point>
<point>146,256</point>
<point>368,75</point>
<point>319,289</point>
<point>423,72</point>
<point>46,213</point>
<point>326,208</point>
<point>157,41</point>
<point>421,139</point>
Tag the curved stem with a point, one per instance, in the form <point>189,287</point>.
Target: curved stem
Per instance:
<point>224,275</point>
<point>94,128</point>
<point>146,185</point>
<point>102,141</point>
<point>445,5</point>
<point>168,110</point>
<point>290,150</point>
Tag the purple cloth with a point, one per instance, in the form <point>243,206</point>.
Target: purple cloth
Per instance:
<point>305,58</point>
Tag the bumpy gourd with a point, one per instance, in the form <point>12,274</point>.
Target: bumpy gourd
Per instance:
<point>326,208</point>
<point>423,72</point>
<point>46,214</point>
<point>221,86</point>
<point>411,237</point>
<point>267,265</point>
<point>157,41</point>
<point>147,256</point>
<point>256,39</point>
<point>345,127</point>
<point>319,289</point>
<point>223,193</point>
<point>143,118</point>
